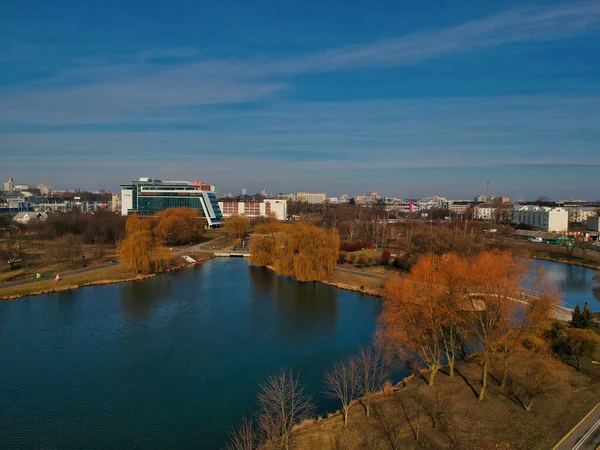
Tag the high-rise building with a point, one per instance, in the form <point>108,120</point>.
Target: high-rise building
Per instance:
<point>9,186</point>
<point>149,196</point>
<point>115,202</point>
<point>541,218</point>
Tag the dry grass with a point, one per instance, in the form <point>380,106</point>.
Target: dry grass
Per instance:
<point>352,281</point>
<point>100,276</point>
<point>461,421</point>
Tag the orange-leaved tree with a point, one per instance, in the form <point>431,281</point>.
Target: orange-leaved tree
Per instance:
<point>236,226</point>
<point>141,250</point>
<point>177,226</point>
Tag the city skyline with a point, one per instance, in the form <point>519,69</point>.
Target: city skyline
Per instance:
<point>409,101</point>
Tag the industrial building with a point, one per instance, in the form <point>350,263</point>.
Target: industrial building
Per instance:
<point>148,196</point>
<point>542,218</point>
<point>254,209</point>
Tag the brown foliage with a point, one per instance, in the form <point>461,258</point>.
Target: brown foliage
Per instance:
<point>177,226</point>
<point>141,250</point>
<point>236,226</point>
<point>300,250</point>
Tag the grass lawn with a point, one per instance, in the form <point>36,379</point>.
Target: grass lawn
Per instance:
<point>108,274</point>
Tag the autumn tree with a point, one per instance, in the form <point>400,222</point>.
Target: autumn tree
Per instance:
<point>236,226</point>
<point>141,250</point>
<point>176,226</point>
<point>282,404</point>
<point>412,320</point>
<point>301,250</point>
<point>341,383</point>
<point>582,344</point>
<point>492,302</point>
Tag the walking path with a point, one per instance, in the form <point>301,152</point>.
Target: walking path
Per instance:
<point>62,275</point>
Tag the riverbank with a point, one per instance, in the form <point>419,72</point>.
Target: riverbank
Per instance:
<point>449,415</point>
<point>94,277</point>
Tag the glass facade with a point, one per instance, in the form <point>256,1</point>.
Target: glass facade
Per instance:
<point>151,197</point>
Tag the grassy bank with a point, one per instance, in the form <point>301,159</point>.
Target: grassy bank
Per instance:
<point>448,415</point>
<point>113,274</point>
<point>590,259</point>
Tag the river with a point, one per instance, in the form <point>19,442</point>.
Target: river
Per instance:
<point>172,361</point>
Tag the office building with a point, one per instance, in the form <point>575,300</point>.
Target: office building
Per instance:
<point>253,209</point>
<point>149,196</point>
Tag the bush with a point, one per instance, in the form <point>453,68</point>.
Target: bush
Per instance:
<point>405,262</point>
<point>385,258</point>
<point>352,246</point>
<point>342,257</point>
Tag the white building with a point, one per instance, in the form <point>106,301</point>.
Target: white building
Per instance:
<point>308,197</point>
<point>27,216</point>
<point>580,214</point>
<point>115,203</point>
<point>486,211</point>
<point>255,209</point>
<point>21,187</point>
<point>541,218</point>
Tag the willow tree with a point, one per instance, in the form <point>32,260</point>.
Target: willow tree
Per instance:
<point>300,250</point>
<point>236,226</point>
<point>141,251</point>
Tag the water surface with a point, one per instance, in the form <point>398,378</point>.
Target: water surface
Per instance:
<point>168,362</point>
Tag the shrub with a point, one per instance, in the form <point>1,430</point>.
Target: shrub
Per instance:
<point>385,258</point>
<point>352,246</point>
<point>342,257</point>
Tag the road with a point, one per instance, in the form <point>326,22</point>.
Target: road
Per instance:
<point>585,436</point>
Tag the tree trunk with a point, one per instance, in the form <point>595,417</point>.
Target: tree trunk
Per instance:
<point>483,378</point>
<point>345,412</point>
<point>368,405</point>
<point>432,373</point>
<point>451,366</point>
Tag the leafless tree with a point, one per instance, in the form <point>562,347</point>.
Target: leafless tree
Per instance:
<point>341,384</point>
<point>532,385</point>
<point>244,438</point>
<point>282,404</point>
<point>370,374</point>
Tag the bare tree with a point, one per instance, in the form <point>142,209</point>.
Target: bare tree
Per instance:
<point>282,404</point>
<point>341,384</point>
<point>371,374</point>
<point>533,384</point>
<point>244,438</point>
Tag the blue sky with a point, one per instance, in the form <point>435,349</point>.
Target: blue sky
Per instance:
<point>339,96</point>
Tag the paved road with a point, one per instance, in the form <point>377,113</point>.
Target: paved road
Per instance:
<point>62,275</point>
<point>585,436</point>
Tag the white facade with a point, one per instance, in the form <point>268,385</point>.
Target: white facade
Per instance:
<point>21,187</point>
<point>309,197</point>
<point>577,214</point>
<point>485,212</point>
<point>265,208</point>
<point>541,217</point>
<point>9,186</point>
<point>126,201</point>
<point>28,216</point>
<point>45,189</point>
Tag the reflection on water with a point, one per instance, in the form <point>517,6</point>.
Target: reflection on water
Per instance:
<point>575,282</point>
<point>172,361</point>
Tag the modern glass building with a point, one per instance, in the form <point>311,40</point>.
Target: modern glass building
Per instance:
<point>149,196</point>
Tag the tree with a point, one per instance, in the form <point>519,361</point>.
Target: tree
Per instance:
<point>178,226</point>
<point>582,344</point>
<point>370,373</point>
<point>535,382</point>
<point>492,303</point>
<point>236,226</point>
<point>282,404</point>
<point>141,251</point>
<point>576,317</point>
<point>587,318</point>
<point>299,250</point>
<point>341,383</point>
<point>243,438</point>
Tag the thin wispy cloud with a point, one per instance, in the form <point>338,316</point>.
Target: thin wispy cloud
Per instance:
<point>109,91</point>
